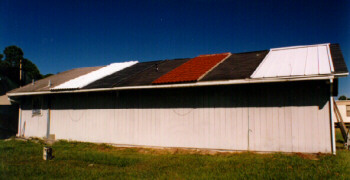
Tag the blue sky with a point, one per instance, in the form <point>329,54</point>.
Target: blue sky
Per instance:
<point>61,35</point>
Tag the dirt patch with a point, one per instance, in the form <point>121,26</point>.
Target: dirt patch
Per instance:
<point>314,157</point>
<point>147,150</point>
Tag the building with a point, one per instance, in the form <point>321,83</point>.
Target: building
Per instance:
<point>344,109</point>
<point>8,118</point>
<point>275,100</point>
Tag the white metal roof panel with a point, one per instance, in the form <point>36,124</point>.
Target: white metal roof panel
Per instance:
<point>93,76</point>
<point>311,66</point>
<point>296,61</point>
<point>299,68</point>
<point>324,63</point>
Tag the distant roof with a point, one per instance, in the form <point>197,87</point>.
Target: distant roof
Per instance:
<point>323,60</point>
<point>4,100</point>
<point>343,102</point>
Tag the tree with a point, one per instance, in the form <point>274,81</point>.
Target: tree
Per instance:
<point>343,98</point>
<point>13,55</point>
<point>31,71</point>
<point>9,67</point>
<point>2,64</point>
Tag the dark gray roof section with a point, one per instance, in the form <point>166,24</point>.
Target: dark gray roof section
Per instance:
<point>148,76</point>
<point>123,75</point>
<point>338,59</point>
<point>237,66</point>
<point>143,73</point>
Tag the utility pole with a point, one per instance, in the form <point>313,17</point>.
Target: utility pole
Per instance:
<point>20,73</point>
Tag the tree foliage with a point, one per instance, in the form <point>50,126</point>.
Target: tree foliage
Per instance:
<point>13,55</point>
<point>343,97</point>
<point>30,70</point>
<point>10,66</point>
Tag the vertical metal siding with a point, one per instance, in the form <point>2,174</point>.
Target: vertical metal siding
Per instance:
<point>33,126</point>
<point>267,117</point>
<point>200,121</point>
<point>297,125</point>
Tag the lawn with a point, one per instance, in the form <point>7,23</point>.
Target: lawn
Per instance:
<point>23,160</point>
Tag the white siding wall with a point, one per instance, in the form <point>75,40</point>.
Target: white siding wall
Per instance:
<point>257,118</point>
<point>300,123</point>
<point>33,126</point>
<point>142,123</point>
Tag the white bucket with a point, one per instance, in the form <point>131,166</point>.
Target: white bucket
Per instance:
<point>47,153</point>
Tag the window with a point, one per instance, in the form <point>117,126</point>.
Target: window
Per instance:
<point>36,106</point>
<point>348,110</point>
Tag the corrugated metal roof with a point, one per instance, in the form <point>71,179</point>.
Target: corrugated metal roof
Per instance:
<point>193,69</point>
<point>296,61</point>
<point>93,76</point>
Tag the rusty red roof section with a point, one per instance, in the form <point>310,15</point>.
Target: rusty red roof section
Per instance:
<point>193,70</point>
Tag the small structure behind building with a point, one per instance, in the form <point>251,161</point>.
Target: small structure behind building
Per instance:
<point>8,118</point>
<point>344,109</point>
<point>341,116</point>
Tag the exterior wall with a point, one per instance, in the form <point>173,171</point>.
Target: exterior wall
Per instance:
<point>152,118</point>
<point>291,117</point>
<point>32,126</point>
<point>342,109</point>
<point>288,117</point>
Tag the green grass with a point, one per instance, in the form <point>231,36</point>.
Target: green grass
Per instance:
<point>23,160</point>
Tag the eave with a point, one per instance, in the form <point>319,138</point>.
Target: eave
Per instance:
<point>185,85</point>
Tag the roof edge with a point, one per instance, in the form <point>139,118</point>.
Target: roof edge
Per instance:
<point>195,84</point>
<point>300,46</point>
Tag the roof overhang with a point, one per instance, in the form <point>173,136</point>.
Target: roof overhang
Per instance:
<point>343,102</point>
<point>184,85</point>
<point>4,100</point>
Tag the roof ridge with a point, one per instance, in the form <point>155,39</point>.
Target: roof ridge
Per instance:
<point>204,55</point>
<point>299,46</point>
